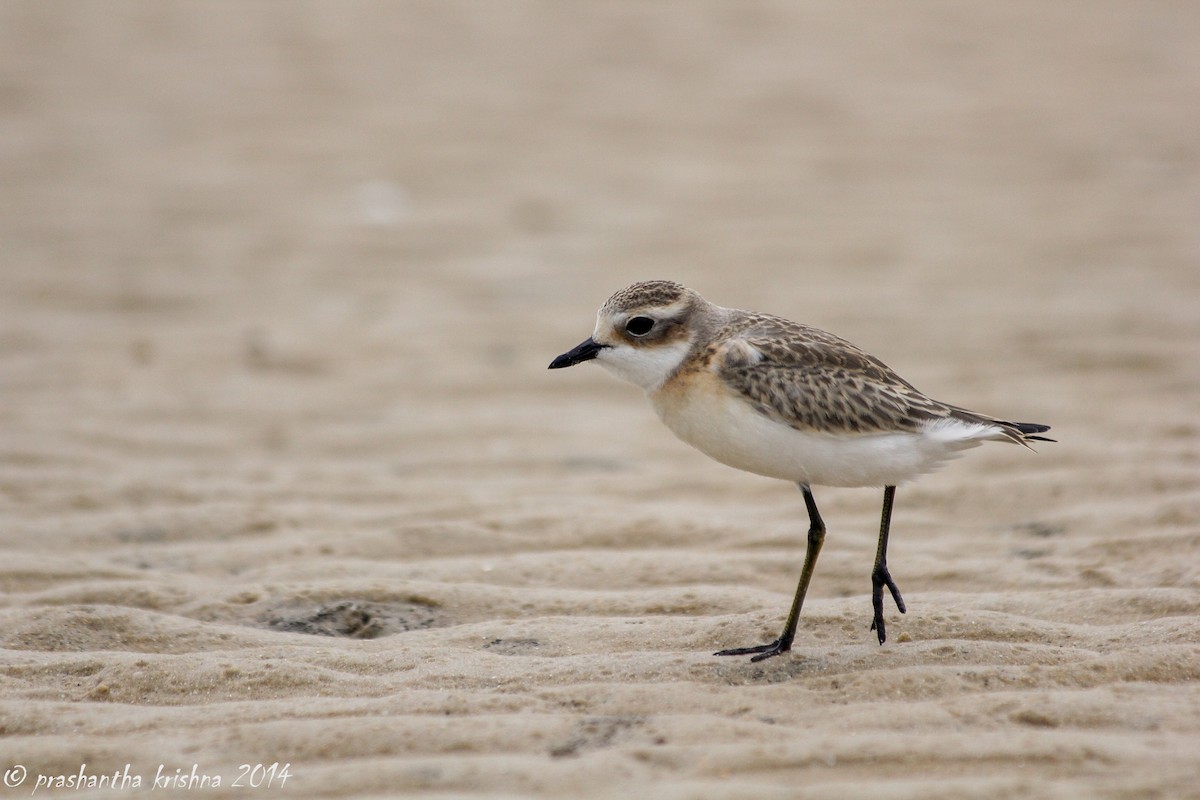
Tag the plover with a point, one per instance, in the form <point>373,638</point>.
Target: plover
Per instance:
<point>777,398</point>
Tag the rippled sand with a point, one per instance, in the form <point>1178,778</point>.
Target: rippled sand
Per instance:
<point>284,480</point>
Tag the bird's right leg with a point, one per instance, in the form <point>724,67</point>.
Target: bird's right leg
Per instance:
<point>816,537</point>
<point>880,577</point>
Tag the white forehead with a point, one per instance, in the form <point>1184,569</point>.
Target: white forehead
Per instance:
<point>616,315</point>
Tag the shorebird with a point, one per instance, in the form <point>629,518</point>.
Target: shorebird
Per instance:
<point>777,398</point>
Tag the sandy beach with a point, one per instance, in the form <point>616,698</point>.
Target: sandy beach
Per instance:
<point>289,501</point>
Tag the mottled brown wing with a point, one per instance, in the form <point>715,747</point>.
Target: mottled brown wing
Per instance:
<point>813,380</point>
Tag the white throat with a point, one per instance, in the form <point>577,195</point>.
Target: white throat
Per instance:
<point>647,367</point>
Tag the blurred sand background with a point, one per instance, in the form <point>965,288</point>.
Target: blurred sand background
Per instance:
<point>283,477</point>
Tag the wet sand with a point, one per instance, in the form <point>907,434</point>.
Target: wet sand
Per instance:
<point>284,479</point>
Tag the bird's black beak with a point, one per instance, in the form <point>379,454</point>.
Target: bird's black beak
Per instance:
<point>584,351</point>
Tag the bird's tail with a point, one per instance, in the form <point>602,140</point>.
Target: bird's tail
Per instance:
<point>1022,432</point>
<point>1027,429</point>
<point>1002,430</point>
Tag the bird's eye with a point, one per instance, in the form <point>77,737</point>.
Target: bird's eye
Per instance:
<point>639,326</point>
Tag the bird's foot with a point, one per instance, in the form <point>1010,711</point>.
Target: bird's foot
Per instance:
<point>880,578</point>
<point>760,652</point>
